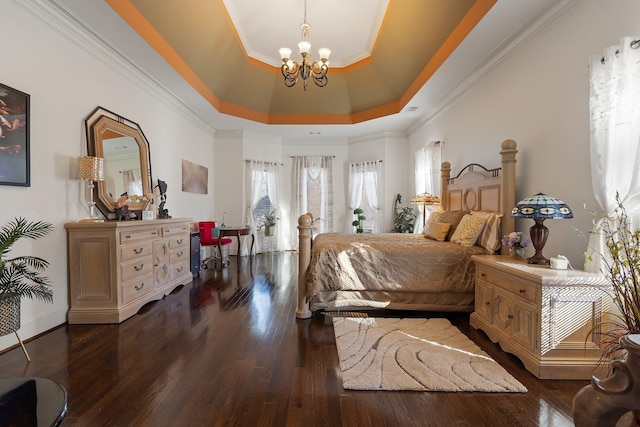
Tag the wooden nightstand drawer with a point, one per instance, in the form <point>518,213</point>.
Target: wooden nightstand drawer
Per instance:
<point>175,229</point>
<point>129,236</point>
<point>509,283</point>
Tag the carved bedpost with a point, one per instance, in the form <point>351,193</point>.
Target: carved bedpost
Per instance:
<point>508,153</point>
<point>304,258</point>
<point>445,174</point>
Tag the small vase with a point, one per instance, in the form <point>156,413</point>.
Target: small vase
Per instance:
<point>517,252</point>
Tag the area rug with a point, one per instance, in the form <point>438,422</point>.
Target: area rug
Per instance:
<point>415,354</point>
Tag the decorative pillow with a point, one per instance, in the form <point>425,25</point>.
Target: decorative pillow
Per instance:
<point>437,231</point>
<point>490,236</point>
<point>468,230</point>
<point>447,217</point>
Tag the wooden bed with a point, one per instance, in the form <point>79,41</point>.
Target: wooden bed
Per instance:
<point>405,271</point>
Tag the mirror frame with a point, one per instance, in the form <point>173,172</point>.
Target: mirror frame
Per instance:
<point>97,122</point>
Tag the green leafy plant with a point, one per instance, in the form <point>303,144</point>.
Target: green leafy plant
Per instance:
<point>358,223</point>
<point>21,276</point>
<point>404,218</point>
<point>621,267</point>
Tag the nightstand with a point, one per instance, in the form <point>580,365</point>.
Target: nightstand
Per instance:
<point>540,315</point>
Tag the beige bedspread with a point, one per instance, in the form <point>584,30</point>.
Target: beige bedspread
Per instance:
<point>387,264</point>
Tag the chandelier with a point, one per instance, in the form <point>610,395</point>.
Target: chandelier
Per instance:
<point>292,69</point>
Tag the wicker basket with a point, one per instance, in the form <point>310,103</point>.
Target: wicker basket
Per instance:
<point>9,316</point>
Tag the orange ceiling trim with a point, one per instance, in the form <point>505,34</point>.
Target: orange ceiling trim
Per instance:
<point>462,30</point>
<point>139,23</point>
<point>244,112</point>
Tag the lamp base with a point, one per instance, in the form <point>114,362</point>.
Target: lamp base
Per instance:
<point>539,234</point>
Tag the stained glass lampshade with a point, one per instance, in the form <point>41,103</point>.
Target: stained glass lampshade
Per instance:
<point>539,208</point>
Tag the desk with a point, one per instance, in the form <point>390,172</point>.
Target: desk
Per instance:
<point>229,231</point>
<point>32,401</point>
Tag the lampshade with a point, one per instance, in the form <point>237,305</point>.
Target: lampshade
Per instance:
<point>539,208</point>
<point>542,206</point>
<point>425,199</point>
<point>91,168</point>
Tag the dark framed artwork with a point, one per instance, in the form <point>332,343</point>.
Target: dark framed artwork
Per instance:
<point>14,137</point>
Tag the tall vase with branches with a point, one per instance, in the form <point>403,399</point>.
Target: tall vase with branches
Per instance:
<point>620,264</point>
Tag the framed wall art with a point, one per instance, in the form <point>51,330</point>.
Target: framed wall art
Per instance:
<point>14,137</point>
<point>195,178</point>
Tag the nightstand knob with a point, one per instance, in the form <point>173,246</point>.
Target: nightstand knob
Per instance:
<point>510,316</point>
<point>522,291</point>
<point>483,275</point>
<point>487,303</point>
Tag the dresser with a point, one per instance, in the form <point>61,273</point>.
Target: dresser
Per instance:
<point>540,315</point>
<point>116,267</point>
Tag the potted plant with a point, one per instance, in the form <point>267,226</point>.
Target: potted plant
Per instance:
<point>21,276</point>
<point>357,223</point>
<point>403,219</point>
<point>621,267</point>
<point>269,223</point>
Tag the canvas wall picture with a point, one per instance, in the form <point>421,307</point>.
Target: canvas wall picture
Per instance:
<point>195,177</point>
<point>14,137</point>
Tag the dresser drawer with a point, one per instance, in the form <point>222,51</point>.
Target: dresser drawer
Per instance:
<point>178,254</point>
<point>136,288</point>
<point>138,250</point>
<point>524,290</point>
<point>178,241</point>
<point>135,235</point>
<point>175,229</point>
<point>179,268</point>
<point>136,268</point>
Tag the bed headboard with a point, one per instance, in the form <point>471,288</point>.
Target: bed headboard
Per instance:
<point>479,188</point>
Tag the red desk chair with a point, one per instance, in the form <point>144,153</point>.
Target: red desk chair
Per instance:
<point>209,236</point>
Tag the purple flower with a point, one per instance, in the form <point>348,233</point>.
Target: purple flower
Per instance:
<point>515,239</point>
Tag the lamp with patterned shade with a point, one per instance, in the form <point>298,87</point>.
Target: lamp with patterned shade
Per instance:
<point>91,169</point>
<point>424,199</point>
<point>539,208</point>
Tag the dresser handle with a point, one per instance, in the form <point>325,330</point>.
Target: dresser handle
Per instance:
<point>179,241</point>
<point>483,275</point>
<point>139,288</point>
<point>136,268</point>
<point>138,251</point>
<point>179,254</point>
<point>487,303</point>
<point>180,269</point>
<point>510,316</point>
<point>128,236</point>
<point>522,291</point>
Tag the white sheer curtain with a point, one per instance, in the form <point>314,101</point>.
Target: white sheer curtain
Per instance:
<point>262,179</point>
<point>364,180</point>
<point>312,192</point>
<point>427,176</point>
<point>132,185</point>
<point>614,106</point>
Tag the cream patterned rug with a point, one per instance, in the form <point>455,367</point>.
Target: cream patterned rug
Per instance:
<point>415,354</point>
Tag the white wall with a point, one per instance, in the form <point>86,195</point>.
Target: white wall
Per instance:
<point>539,97</point>
<point>66,81</point>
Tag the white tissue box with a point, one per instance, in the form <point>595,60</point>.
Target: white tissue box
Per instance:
<point>559,263</point>
<point>148,215</point>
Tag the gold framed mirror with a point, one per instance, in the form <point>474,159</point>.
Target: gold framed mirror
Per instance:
<point>127,161</point>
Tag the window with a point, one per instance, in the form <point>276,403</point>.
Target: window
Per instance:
<point>313,191</point>
<point>364,193</point>
<point>427,177</point>
<point>262,189</point>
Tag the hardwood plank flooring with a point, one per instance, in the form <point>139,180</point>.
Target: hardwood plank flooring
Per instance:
<point>227,350</point>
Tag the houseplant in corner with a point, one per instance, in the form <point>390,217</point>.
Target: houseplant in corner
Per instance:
<point>357,223</point>
<point>269,223</point>
<point>21,276</point>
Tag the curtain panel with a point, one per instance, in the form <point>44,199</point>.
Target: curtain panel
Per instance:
<point>614,107</point>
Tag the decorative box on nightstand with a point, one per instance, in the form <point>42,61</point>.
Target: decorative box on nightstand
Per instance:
<point>540,315</point>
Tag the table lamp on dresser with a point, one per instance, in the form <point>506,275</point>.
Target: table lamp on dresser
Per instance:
<point>91,169</point>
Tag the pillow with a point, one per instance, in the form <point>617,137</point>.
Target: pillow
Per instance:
<point>468,230</point>
<point>447,217</point>
<point>437,231</point>
<point>489,239</point>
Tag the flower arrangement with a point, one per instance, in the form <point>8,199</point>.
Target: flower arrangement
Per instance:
<point>515,239</point>
<point>621,267</point>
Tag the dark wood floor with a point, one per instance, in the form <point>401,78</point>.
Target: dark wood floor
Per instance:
<point>226,350</point>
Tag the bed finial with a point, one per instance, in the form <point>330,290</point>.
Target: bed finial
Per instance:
<point>304,257</point>
<point>445,175</point>
<point>508,201</point>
